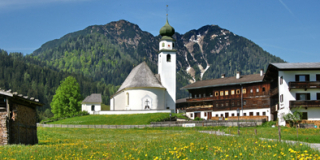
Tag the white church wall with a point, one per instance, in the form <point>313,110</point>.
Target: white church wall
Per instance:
<point>140,98</point>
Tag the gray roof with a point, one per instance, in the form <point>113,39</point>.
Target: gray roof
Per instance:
<point>293,66</point>
<point>227,81</point>
<point>93,98</point>
<point>141,76</point>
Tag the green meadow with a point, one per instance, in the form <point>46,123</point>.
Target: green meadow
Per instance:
<point>165,143</point>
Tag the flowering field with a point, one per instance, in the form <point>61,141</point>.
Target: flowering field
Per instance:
<point>63,143</point>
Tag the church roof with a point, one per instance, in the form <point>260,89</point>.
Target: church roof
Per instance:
<point>93,98</point>
<point>141,76</point>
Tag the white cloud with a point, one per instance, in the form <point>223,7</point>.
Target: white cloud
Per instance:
<point>28,3</point>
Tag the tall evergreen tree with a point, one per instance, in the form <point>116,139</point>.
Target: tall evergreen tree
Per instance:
<point>67,99</point>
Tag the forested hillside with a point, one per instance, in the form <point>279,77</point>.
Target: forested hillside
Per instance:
<point>33,78</point>
<point>107,53</point>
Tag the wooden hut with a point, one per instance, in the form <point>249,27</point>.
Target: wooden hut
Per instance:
<point>18,118</point>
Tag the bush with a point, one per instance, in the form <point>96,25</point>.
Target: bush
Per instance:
<point>198,119</point>
<point>269,123</point>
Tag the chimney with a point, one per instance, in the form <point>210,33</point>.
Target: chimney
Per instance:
<point>261,72</point>
<point>222,75</point>
<point>238,75</point>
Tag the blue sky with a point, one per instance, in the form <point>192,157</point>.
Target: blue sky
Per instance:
<point>289,29</point>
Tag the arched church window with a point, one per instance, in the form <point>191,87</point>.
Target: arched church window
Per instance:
<point>92,108</point>
<point>127,98</point>
<point>162,44</point>
<point>168,58</point>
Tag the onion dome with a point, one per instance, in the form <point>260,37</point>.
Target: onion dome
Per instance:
<point>167,30</point>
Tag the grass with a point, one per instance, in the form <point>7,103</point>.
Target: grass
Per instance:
<point>81,143</point>
<point>132,119</point>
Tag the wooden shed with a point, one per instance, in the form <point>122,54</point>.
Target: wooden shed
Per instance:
<point>18,118</point>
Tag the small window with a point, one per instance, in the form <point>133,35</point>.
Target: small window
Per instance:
<point>302,78</point>
<point>251,90</point>
<point>199,95</point>
<point>318,77</point>
<point>92,108</point>
<point>303,96</point>
<point>257,90</point>
<point>263,113</point>
<point>238,103</point>
<point>227,104</point>
<point>217,115</point>
<point>318,96</point>
<point>222,104</point>
<point>251,113</point>
<point>258,114</point>
<point>238,114</point>
<point>281,98</point>
<point>168,108</point>
<point>163,44</point>
<point>191,115</point>
<point>263,89</point>
<point>232,103</point>
<point>244,91</point>
<point>204,95</point>
<point>190,95</point>
<point>232,92</point>
<point>210,94</point>
<point>221,93</point>
<point>172,45</point>
<point>244,102</point>
<point>195,96</point>
<point>281,80</point>
<point>226,93</point>
<point>168,58</point>
<point>205,114</point>
<point>238,91</point>
<point>216,93</point>
<point>217,105</point>
<point>232,115</point>
<point>221,115</point>
<point>244,114</point>
<point>305,115</point>
<point>127,99</point>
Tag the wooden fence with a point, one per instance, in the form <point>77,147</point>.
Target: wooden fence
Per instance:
<point>161,124</point>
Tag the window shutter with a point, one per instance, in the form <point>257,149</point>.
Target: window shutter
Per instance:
<point>297,96</point>
<point>308,96</point>
<point>297,78</point>
<point>307,78</point>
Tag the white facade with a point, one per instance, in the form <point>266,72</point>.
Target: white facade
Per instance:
<point>290,95</point>
<point>89,106</point>
<point>167,71</point>
<point>139,99</point>
<point>256,112</point>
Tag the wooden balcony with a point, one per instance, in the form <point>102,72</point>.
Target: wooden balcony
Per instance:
<point>203,99</point>
<point>309,103</point>
<point>304,85</point>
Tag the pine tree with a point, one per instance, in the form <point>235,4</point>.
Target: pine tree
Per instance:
<point>67,99</point>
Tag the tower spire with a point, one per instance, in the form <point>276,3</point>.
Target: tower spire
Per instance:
<point>167,12</point>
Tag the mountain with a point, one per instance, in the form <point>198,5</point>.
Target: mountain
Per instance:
<point>33,78</point>
<point>107,53</point>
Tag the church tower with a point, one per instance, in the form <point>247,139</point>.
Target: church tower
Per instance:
<point>167,64</point>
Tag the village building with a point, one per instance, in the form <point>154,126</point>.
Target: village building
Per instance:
<point>18,118</point>
<point>298,85</point>
<point>220,98</point>
<point>146,92</point>
<point>92,103</point>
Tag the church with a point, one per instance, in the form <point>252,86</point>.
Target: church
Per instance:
<point>145,91</point>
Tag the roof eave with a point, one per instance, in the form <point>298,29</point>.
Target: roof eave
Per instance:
<point>229,84</point>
